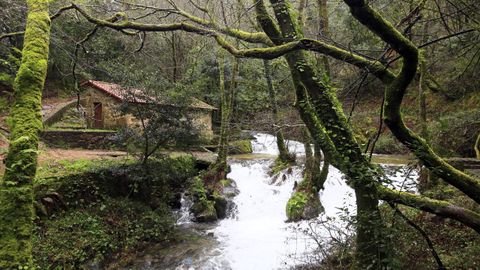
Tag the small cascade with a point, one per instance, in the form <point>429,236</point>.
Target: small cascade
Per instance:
<point>257,236</point>
<point>267,144</point>
<point>184,214</point>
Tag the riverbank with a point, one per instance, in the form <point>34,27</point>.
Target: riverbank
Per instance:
<point>128,232</point>
<point>91,213</point>
<point>256,228</point>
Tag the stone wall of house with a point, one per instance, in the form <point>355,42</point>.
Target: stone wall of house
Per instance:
<point>202,120</point>
<point>112,118</point>
<point>80,139</point>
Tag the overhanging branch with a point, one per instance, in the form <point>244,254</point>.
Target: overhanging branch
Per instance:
<point>437,207</point>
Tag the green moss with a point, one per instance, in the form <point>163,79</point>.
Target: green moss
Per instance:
<point>241,147</point>
<point>16,196</point>
<point>225,182</point>
<point>278,166</point>
<point>205,211</point>
<point>85,182</point>
<point>296,206</point>
<point>203,207</point>
<point>100,210</point>
<point>16,227</point>
<point>54,169</point>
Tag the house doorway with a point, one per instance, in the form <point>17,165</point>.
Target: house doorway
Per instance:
<point>97,115</point>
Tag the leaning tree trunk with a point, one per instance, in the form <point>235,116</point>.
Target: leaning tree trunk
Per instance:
<point>16,199</point>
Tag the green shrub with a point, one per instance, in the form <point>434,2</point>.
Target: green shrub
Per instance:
<point>104,209</point>
<point>93,234</point>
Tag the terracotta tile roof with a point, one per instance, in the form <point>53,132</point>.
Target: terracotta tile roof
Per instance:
<point>136,95</point>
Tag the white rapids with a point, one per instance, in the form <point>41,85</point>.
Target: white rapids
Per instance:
<point>257,237</point>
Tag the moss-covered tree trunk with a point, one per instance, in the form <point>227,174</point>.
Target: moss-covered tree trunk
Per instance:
<point>218,170</point>
<point>320,174</point>
<point>324,117</point>
<point>305,202</point>
<point>323,31</point>
<point>307,144</point>
<point>16,210</point>
<point>284,156</point>
<point>224,111</point>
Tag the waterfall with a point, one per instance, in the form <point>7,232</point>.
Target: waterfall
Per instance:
<point>257,236</point>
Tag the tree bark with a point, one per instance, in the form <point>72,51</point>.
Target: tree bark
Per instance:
<point>16,210</point>
<point>224,110</point>
<point>323,31</point>
<point>327,111</point>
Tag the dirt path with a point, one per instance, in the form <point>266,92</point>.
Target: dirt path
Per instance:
<point>75,154</point>
<point>54,154</point>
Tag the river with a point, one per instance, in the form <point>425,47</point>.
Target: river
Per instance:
<point>256,235</point>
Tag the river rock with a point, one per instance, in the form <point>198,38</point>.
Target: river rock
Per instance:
<point>303,206</point>
<point>221,206</point>
<point>204,211</point>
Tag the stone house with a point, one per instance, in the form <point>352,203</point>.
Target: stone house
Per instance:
<point>101,102</point>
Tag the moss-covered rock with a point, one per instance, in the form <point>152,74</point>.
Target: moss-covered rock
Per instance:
<point>229,187</point>
<point>204,211</point>
<point>240,147</point>
<point>303,205</point>
<point>212,202</point>
<point>203,204</point>
<point>221,205</point>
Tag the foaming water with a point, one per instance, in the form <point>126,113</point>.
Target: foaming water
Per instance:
<point>257,236</point>
<point>267,144</point>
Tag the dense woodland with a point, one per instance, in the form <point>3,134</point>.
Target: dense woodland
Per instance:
<point>348,79</point>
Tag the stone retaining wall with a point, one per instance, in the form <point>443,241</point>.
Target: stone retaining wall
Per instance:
<point>80,139</point>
